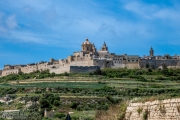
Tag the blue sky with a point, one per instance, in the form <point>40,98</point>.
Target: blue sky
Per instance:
<point>36,30</point>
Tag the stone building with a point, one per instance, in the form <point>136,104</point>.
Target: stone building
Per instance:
<point>89,60</point>
<point>159,61</point>
<point>49,114</point>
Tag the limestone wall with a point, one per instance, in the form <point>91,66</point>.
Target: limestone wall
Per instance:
<point>42,67</point>
<point>11,71</point>
<point>132,65</point>
<point>157,110</point>
<point>29,69</point>
<point>158,63</point>
<point>83,69</point>
<point>60,70</point>
<point>82,63</point>
<point>118,65</point>
<point>100,62</point>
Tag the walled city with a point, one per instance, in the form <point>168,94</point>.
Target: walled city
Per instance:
<point>89,60</point>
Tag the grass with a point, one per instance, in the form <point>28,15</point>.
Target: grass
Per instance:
<point>120,85</point>
<point>83,114</point>
<point>54,85</point>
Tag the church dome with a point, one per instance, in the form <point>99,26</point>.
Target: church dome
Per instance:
<point>88,46</point>
<point>87,42</point>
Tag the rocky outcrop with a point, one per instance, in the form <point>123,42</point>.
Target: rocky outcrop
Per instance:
<point>156,110</point>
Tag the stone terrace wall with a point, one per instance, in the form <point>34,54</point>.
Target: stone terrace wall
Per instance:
<point>157,110</point>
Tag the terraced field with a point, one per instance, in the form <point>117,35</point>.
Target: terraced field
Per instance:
<point>89,93</point>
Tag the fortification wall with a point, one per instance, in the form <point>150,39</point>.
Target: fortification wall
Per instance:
<point>102,63</point>
<point>158,63</point>
<point>167,62</point>
<point>118,65</point>
<point>53,66</point>
<point>82,63</point>
<point>132,65</point>
<point>156,110</point>
<point>11,71</point>
<point>29,69</point>
<point>42,67</point>
<point>60,70</point>
<point>83,69</point>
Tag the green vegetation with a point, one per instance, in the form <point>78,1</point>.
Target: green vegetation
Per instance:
<point>145,115</point>
<point>139,110</point>
<point>92,94</point>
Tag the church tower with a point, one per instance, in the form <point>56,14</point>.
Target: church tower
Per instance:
<point>151,52</point>
<point>104,48</point>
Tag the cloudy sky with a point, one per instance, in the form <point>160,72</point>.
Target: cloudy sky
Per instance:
<point>36,30</point>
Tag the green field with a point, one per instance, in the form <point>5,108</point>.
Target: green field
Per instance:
<point>53,85</point>
<point>85,94</point>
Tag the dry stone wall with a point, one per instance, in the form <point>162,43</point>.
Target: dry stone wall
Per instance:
<point>156,110</point>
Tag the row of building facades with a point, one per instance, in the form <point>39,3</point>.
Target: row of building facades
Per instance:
<point>89,60</point>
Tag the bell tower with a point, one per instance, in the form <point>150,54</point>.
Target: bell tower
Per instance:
<point>151,52</point>
<point>104,48</point>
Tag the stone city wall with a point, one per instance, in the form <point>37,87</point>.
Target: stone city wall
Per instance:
<point>82,63</point>
<point>156,110</point>
<point>29,69</point>
<point>118,65</point>
<point>158,63</point>
<point>60,70</point>
<point>132,65</point>
<point>83,69</point>
<point>42,67</point>
<point>102,63</point>
<point>11,71</point>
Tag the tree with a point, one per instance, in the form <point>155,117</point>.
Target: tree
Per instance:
<point>56,103</point>
<point>44,103</point>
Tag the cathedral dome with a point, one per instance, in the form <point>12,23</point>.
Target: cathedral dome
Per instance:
<point>88,46</point>
<point>87,41</point>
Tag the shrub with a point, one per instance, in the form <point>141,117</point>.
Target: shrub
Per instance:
<point>143,79</point>
<point>74,105</point>
<point>162,109</point>
<point>56,103</point>
<point>145,115</point>
<point>139,110</point>
<point>160,78</point>
<point>59,115</point>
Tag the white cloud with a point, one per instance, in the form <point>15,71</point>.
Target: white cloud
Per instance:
<point>11,22</point>
<point>1,17</point>
<point>170,14</point>
<point>144,10</point>
<point>30,37</point>
<point>2,30</point>
<point>153,11</point>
